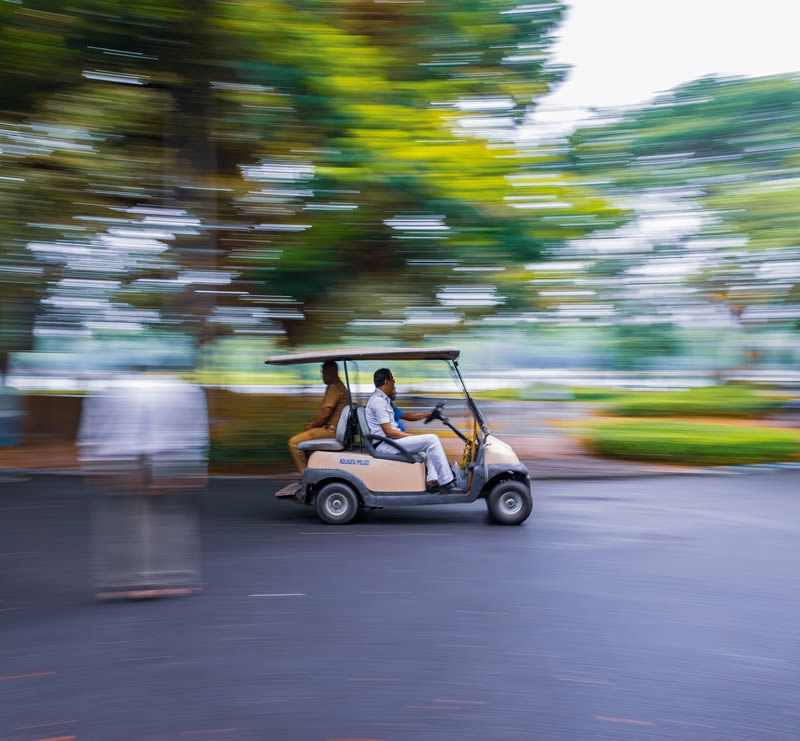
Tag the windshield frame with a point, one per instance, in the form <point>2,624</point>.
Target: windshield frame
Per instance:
<point>478,414</point>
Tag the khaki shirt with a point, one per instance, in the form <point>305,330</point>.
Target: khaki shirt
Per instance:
<point>336,397</point>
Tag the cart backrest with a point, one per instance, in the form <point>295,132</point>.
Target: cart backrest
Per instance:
<point>363,429</point>
<point>343,427</point>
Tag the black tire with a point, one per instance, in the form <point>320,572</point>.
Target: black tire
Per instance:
<point>510,503</point>
<point>336,503</point>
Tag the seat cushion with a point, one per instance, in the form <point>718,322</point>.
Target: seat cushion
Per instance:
<point>326,443</point>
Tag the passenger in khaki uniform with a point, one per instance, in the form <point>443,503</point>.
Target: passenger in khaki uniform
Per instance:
<point>325,423</point>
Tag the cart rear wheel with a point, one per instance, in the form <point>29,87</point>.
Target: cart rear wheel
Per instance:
<point>510,503</point>
<point>337,503</point>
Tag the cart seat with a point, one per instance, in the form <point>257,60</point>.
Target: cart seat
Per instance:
<point>325,443</point>
<point>331,443</point>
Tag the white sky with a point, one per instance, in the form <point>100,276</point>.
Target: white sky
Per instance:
<point>624,52</point>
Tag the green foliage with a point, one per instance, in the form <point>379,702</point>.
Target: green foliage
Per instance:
<point>598,394</point>
<point>637,344</point>
<point>353,109</point>
<point>250,447</point>
<point>511,394</point>
<point>697,133</point>
<point>549,392</point>
<point>534,392</point>
<point>689,443</point>
<point>714,401</point>
<point>729,146</point>
<point>250,432</point>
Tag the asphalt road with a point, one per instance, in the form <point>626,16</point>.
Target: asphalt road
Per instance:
<point>640,609</point>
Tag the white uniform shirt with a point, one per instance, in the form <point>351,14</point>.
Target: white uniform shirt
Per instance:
<point>379,412</point>
<point>161,417</point>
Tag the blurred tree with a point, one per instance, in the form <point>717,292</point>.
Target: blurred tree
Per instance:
<point>36,61</point>
<point>732,148</point>
<point>637,346</point>
<point>257,165</point>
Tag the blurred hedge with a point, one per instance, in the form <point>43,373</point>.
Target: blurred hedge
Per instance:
<point>552,392</point>
<point>692,443</point>
<point>599,393</point>
<point>714,401</point>
<point>249,432</point>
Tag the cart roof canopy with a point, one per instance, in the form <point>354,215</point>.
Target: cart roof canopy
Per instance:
<point>367,353</point>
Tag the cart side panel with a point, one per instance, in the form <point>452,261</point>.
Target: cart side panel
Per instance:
<point>377,474</point>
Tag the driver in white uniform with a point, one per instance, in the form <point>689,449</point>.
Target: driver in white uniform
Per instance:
<point>381,421</point>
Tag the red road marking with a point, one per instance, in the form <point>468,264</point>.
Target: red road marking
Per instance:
<point>25,676</point>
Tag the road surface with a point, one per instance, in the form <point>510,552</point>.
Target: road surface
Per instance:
<point>662,608</point>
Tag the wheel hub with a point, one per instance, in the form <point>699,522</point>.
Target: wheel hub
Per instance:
<point>336,504</point>
<point>511,503</point>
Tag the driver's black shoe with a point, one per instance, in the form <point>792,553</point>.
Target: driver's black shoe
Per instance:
<point>433,488</point>
<point>450,486</point>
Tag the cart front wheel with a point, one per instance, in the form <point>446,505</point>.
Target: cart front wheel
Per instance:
<point>510,503</point>
<point>337,504</point>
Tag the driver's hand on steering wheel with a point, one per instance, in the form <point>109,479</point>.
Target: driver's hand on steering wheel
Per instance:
<point>436,413</point>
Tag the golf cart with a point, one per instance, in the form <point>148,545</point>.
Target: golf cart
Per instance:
<point>349,471</point>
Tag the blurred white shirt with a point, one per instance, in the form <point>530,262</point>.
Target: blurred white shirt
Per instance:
<point>161,417</point>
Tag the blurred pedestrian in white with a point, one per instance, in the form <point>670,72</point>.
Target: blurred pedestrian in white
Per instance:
<point>145,440</point>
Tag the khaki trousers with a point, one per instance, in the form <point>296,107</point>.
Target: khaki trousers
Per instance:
<point>315,433</point>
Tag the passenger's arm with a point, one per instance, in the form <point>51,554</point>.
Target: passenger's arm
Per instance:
<point>321,419</point>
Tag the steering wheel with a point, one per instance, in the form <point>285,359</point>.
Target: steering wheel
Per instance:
<point>436,413</point>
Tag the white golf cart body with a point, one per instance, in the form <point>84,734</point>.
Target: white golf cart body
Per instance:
<point>389,476</point>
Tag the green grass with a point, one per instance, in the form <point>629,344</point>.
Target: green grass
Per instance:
<point>498,395</point>
<point>553,392</point>
<point>534,392</point>
<point>599,394</point>
<point>692,443</point>
<point>714,401</point>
